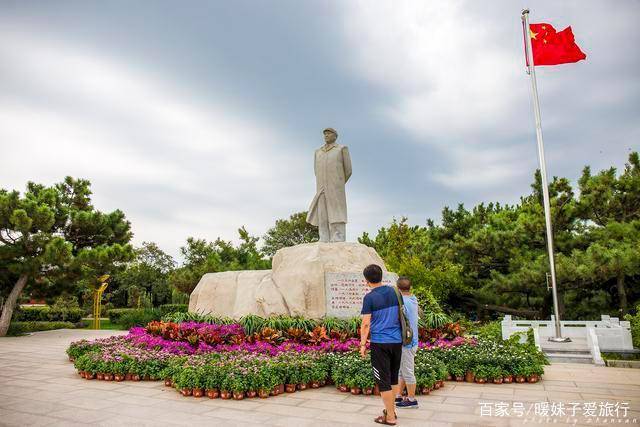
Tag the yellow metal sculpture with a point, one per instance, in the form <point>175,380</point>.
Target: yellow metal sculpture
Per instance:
<point>97,299</point>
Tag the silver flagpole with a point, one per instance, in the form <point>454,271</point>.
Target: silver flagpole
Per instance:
<point>531,69</point>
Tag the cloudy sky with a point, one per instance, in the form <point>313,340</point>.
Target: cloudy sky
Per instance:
<point>197,118</point>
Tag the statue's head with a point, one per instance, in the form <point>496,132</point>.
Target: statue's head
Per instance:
<point>330,135</point>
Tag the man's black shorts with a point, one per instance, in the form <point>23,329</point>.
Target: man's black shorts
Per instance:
<point>385,361</point>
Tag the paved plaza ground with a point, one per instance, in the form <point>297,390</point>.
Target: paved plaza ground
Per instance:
<point>38,386</point>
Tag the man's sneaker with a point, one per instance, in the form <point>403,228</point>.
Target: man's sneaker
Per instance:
<point>406,403</point>
<point>399,399</point>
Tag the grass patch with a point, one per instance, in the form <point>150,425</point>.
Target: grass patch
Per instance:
<point>621,356</point>
<point>105,324</point>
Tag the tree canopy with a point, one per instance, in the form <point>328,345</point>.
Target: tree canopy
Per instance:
<point>493,259</point>
<point>289,232</point>
<point>52,237</point>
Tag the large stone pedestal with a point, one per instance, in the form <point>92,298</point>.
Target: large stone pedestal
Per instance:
<point>294,286</point>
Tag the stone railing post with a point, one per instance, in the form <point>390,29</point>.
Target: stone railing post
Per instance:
<point>507,327</point>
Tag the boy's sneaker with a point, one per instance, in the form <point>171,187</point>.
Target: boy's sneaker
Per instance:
<point>406,403</point>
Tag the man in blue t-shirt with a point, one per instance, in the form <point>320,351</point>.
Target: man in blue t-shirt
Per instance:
<point>381,317</point>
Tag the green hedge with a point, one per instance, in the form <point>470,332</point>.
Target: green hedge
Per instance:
<point>173,308</point>
<point>128,317</point>
<point>635,326</point>
<point>48,314</point>
<point>115,314</point>
<point>138,317</point>
<point>19,328</point>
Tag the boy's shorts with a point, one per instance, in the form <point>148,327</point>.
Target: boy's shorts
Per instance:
<point>407,364</point>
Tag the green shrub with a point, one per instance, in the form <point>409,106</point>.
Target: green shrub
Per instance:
<point>173,308</point>
<point>31,314</point>
<point>48,314</point>
<point>19,328</point>
<point>115,314</point>
<point>491,331</point>
<point>139,317</point>
<point>635,326</point>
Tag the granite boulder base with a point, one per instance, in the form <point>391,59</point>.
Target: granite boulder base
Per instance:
<point>294,286</point>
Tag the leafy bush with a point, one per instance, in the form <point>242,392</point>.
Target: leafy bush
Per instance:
<point>433,320</point>
<point>115,314</point>
<point>491,331</point>
<point>635,326</point>
<point>173,308</point>
<point>19,328</point>
<point>138,317</point>
<point>48,314</point>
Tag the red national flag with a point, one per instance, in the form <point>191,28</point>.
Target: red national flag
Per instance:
<point>552,48</point>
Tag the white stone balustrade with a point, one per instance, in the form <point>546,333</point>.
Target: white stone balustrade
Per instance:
<point>606,334</point>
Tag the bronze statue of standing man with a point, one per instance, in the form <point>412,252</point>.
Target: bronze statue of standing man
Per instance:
<point>328,210</point>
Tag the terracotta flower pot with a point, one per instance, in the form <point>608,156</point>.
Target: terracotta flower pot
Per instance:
<point>135,377</point>
<point>275,391</point>
<point>449,377</point>
<point>425,390</point>
<point>89,375</point>
<point>323,383</point>
<point>343,388</point>
<point>532,378</point>
<point>224,394</point>
<point>376,390</point>
<point>355,390</point>
<point>441,383</point>
<point>481,380</point>
<point>290,388</point>
<point>100,376</point>
<point>108,377</point>
<point>81,373</point>
<point>212,393</point>
<point>168,382</point>
<point>460,379</point>
<point>508,379</point>
<point>436,385</point>
<point>198,392</point>
<point>315,384</point>
<point>302,386</point>
<point>146,378</point>
<point>186,392</point>
<point>367,391</point>
<point>252,393</point>
<point>263,393</point>
<point>520,379</point>
<point>118,377</point>
<point>127,376</point>
<point>238,395</point>
<point>497,380</point>
<point>469,377</point>
<point>280,389</point>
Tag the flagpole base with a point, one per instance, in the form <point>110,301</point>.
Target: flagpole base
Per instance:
<point>559,339</point>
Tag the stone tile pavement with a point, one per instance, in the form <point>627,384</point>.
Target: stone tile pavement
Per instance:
<point>38,386</point>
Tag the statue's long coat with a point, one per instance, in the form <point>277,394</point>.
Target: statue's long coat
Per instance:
<point>332,167</point>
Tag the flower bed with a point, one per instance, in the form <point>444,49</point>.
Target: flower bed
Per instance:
<point>222,361</point>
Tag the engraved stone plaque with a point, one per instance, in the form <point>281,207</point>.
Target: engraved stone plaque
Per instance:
<point>344,292</point>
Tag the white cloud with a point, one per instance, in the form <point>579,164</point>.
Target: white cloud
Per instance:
<point>446,69</point>
<point>128,131</point>
<point>476,168</point>
<point>452,82</point>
